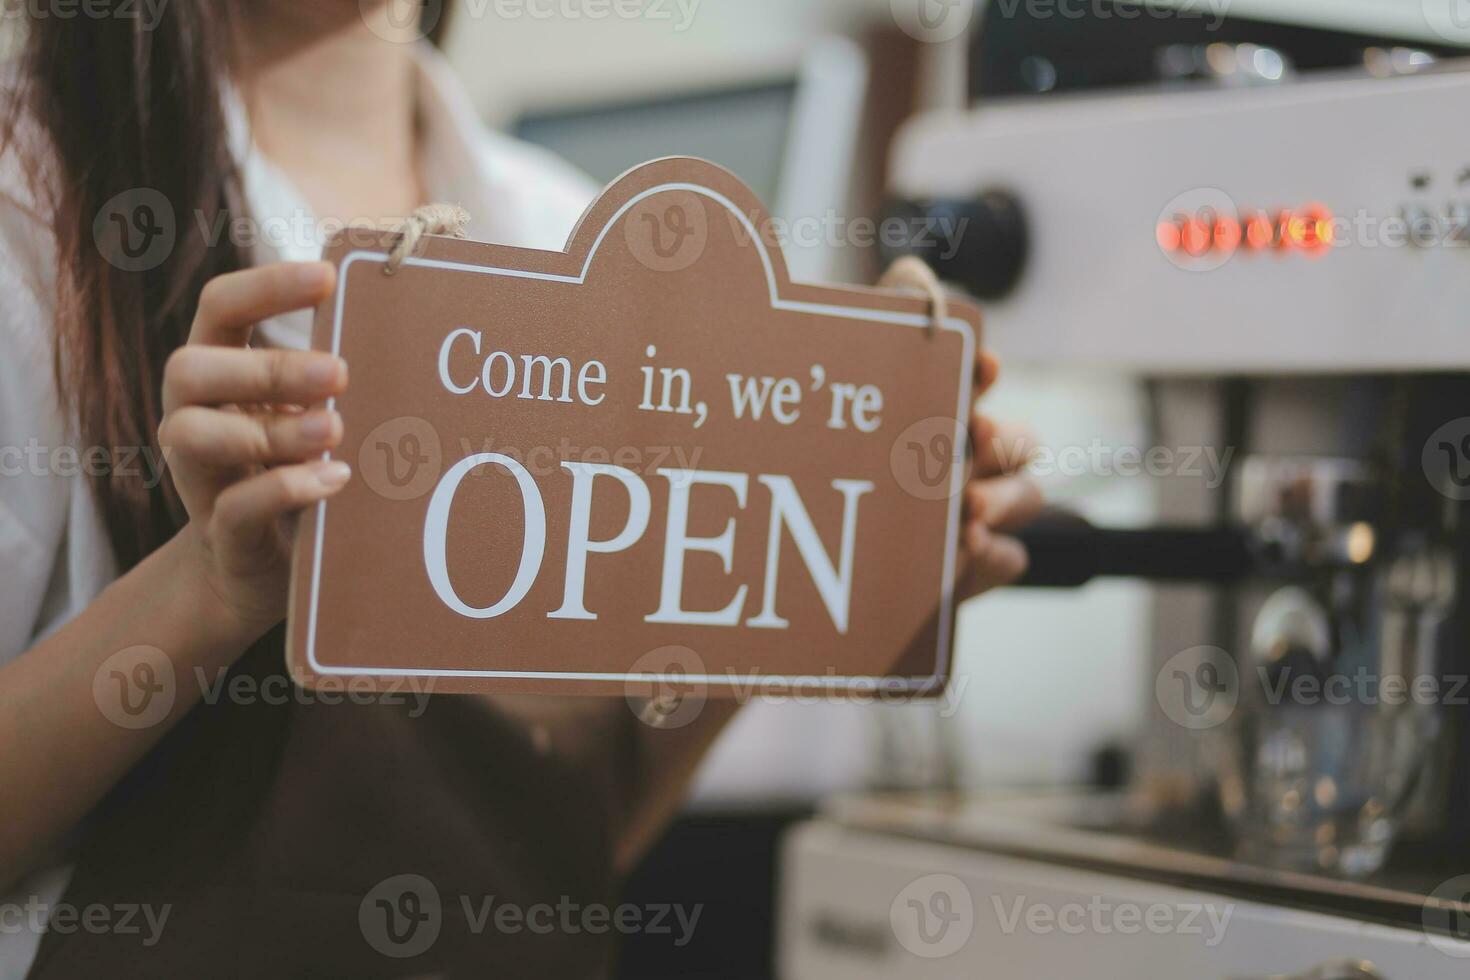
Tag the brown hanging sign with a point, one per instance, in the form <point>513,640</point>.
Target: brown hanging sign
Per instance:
<point>651,457</point>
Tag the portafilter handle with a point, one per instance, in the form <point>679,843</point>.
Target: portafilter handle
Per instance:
<point>1067,550</point>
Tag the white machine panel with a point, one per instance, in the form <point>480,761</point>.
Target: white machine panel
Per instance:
<point>858,904</point>
<point>1387,159</point>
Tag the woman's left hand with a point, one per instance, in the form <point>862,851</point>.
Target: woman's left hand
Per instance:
<point>998,497</point>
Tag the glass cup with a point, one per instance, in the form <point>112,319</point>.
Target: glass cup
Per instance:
<point>1322,786</point>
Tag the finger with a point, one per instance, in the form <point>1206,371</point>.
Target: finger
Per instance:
<point>201,375</point>
<point>230,305</point>
<point>987,369</point>
<point>1003,503</point>
<point>994,560</point>
<point>1000,447</point>
<point>248,509</point>
<point>219,439</point>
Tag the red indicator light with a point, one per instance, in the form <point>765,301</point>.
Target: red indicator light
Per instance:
<point>1285,237</point>
<point>1195,236</point>
<point>1227,233</point>
<point>1310,228</point>
<point>1258,232</point>
<point>1296,231</point>
<point>1167,235</point>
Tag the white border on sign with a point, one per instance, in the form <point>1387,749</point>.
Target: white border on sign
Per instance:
<point>859,682</point>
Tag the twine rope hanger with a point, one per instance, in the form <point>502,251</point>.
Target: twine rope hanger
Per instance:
<point>431,219</point>
<point>911,273</point>
<point>908,273</point>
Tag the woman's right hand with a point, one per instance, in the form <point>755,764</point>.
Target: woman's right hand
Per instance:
<point>240,429</point>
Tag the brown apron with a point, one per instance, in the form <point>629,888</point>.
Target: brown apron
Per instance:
<point>348,840</point>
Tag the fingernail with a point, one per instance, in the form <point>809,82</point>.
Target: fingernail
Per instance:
<point>325,371</point>
<point>332,473</point>
<point>318,426</point>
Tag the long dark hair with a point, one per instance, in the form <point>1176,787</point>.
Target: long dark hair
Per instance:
<point>130,110</point>
<point>126,108</point>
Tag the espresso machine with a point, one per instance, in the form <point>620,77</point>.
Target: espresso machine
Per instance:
<point>1267,226</point>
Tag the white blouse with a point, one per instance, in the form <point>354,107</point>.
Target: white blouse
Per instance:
<point>54,546</point>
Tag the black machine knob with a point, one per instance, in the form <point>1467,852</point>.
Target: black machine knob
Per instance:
<point>981,244</point>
